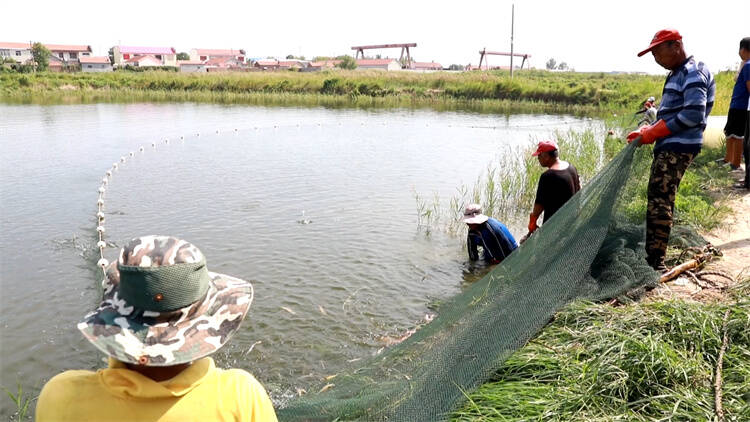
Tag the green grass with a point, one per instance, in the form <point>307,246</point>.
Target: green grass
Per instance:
<point>21,401</point>
<point>644,361</point>
<point>538,91</point>
<point>699,202</point>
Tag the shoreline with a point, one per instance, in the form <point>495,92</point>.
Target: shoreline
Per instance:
<point>591,94</point>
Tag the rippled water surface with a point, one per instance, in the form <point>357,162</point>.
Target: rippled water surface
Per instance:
<point>327,294</point>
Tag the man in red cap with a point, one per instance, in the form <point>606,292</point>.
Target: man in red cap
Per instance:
<point>556,185</point>
<point>677,135</point>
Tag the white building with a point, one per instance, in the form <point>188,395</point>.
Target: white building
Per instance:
<point>95,64</point>
<point>18,51</point>
<point>383,64</point>
<point>191,66</point>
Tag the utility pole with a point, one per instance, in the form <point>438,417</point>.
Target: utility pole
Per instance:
<point>512,19</point>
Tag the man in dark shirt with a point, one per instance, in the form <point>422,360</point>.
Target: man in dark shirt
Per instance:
<point>556,185</point>
<point>492,235</point>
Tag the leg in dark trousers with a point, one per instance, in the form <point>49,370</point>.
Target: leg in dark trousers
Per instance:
<point>746,151</point>
<point>667,170</point>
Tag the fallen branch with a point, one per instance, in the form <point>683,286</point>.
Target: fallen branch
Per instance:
<point>719,362</point>
<point>685,266</point>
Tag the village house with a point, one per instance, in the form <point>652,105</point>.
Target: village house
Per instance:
<point>266,64</point>
<point>204,55</point>
<point>293,64</point>
<point>95,64</point>
<point>321,65</point>
<point>166,56</point>
<point>224,64</point>
<point>426,66</point>
<point>69,54</point>
<point>18,51</point>
<point>62,57</point>
<point>143,61</point>
<point>382,64</point>
<point>56,64</point>
<point>191,66</point>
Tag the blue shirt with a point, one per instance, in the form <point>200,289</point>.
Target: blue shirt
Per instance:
<point>740,95</point>
<point>494,238</point>
<point>686,102</point>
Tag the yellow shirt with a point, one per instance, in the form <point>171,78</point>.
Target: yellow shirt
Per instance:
<point>201,392</point>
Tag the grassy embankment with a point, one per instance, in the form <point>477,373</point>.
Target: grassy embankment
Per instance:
<point>529,91</point>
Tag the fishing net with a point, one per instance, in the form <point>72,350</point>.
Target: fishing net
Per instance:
<point>585,251</point>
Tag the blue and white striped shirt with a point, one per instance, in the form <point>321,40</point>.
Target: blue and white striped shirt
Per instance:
<point>686,102</point>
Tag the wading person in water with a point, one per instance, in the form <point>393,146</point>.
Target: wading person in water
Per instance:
<point>162,314</point>
<point>489,234</point>
<point>556,185</point>
<point>677,135</point>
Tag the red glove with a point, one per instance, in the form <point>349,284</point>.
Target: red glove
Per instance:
<point>649,134</point>
<point>532,223</point>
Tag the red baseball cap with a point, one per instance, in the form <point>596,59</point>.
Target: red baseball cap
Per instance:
<point>545,146</point>
<point>660,37</point>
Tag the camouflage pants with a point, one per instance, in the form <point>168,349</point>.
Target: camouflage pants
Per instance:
<point>667,170</point>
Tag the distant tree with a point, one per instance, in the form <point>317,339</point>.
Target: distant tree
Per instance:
<point>347,62</point>
<point>551,64</point>
<point>456,67</point>
<point>40,55</point>
<point>183,56</point>
<point>111,54</point>
<point>378,56</point>
<point>562,66</point>
<point>289,56</point>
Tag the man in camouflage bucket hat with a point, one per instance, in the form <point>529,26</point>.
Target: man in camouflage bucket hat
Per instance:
<point>162,313</point>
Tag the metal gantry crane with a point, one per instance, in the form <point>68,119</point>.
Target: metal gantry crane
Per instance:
<point>484,52</point>
<point>404,48</point>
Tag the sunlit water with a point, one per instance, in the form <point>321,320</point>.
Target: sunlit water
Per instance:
<point>316,207</point>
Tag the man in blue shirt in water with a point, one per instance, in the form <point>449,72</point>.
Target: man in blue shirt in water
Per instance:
<point>490,234</point>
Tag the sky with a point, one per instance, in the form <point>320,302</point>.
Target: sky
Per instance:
<point>598,36</point>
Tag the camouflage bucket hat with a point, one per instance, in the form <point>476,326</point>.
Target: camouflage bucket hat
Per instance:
<point>162,306</point>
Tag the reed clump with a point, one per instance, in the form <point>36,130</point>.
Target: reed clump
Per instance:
<point>506,190</point>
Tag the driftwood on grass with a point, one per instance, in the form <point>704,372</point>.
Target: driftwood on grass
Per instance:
<point>697,260</point>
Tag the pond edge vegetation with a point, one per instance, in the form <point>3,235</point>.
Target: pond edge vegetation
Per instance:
<point>488,92</point>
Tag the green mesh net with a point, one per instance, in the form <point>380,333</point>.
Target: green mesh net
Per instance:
<point>585,251</point>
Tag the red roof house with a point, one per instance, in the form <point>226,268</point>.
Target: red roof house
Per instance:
<point>205,54</point>
<point>166,55</point>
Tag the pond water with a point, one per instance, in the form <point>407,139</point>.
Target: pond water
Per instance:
<point>327,294</point>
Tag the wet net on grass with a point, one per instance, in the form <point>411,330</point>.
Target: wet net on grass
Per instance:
<point>587,250</point>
